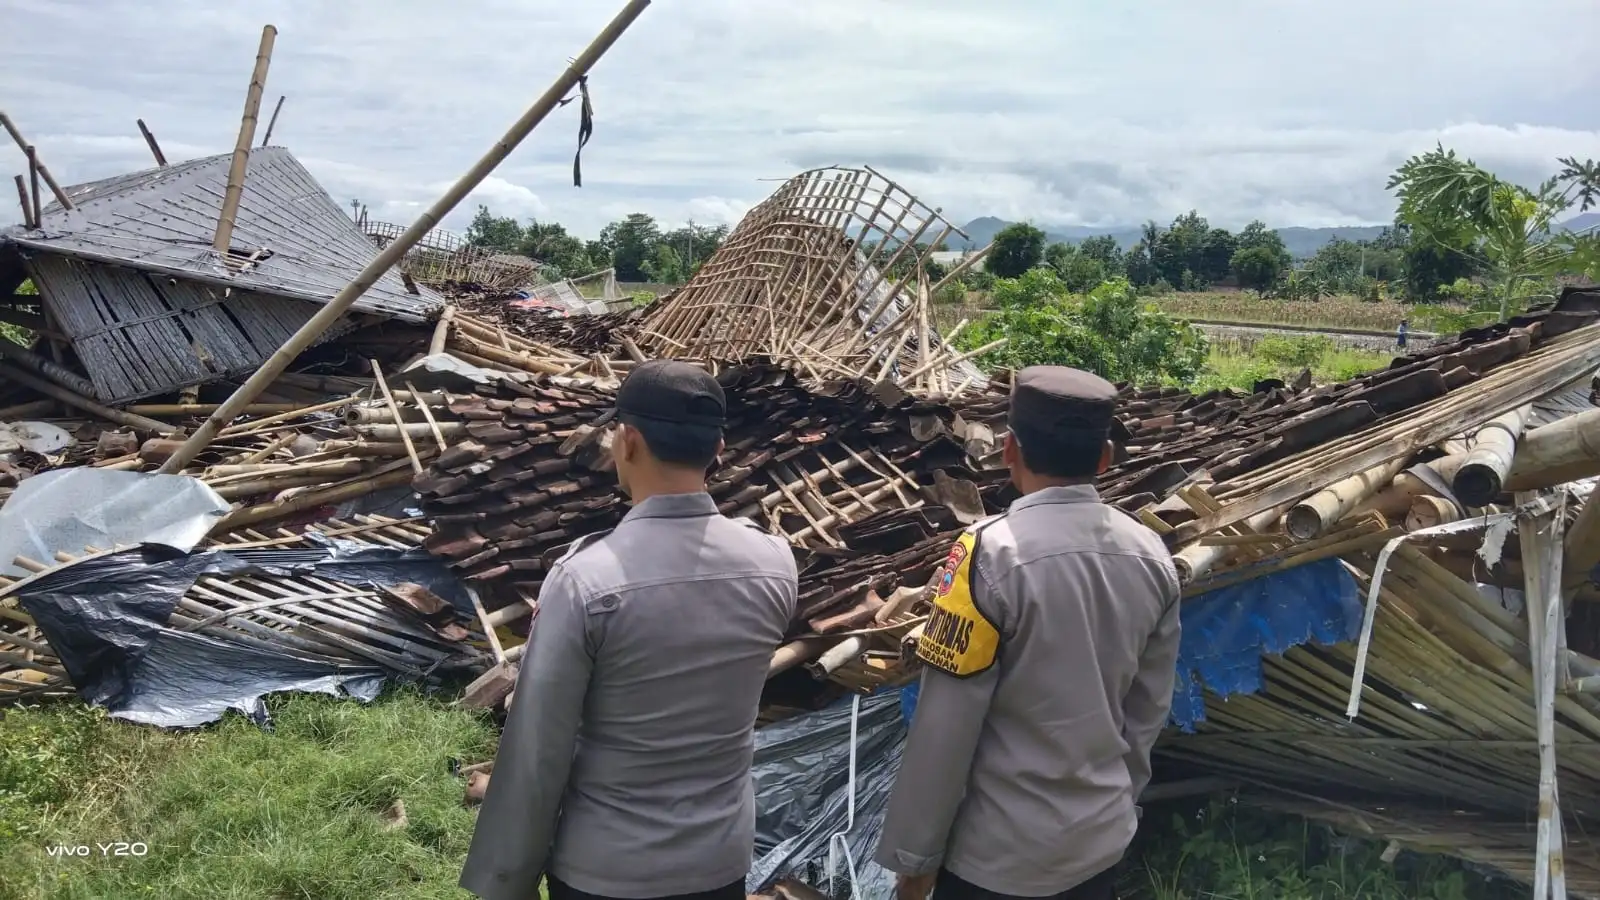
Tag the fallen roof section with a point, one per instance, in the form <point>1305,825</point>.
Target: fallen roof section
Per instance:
<point>290,239</point>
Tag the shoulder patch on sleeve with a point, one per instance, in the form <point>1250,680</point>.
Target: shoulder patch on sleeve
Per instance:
<point>577,546</point>
<point>958,639</point>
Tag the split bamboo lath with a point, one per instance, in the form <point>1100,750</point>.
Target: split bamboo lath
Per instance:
<point>806,276</point>
<point>442,257</point>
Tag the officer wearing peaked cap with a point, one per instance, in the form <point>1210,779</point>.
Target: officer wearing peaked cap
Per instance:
<point>624,769</point>
<point>1048,666</point>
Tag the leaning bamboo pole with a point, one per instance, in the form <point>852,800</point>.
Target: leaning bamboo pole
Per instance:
<point>390,255</point>
<point>241,149</point>
<point>27,207</point>
<point>273,122</point>
<point>155,148</point>
<point>22,144</point>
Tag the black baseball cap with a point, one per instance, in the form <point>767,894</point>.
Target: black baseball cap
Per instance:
<point>665,390</point>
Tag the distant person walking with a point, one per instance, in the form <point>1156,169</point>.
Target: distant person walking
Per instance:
<point>1048,667</point>
<point>1400,334</point>
<point>624,770</point>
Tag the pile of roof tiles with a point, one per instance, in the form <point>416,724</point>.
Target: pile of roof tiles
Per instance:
<point>827,468</point>
<point>584,334</point>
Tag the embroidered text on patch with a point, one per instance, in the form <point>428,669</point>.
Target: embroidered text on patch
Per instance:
<point>957,639</point>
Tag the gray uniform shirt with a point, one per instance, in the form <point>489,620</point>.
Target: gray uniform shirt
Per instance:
<point>1022,779</point>
<point>624,769</point>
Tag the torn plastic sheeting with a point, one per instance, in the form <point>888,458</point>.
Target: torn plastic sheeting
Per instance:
<point>801,774</point>
<point>363,565</point>
<point>106,617</point>
<point>1226,631</point>
<point>70,509</point>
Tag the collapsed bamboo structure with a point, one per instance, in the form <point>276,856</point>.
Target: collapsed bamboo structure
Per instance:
<point>1412,670</point>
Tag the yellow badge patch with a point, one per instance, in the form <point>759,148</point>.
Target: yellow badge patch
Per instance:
<point>957,639</point>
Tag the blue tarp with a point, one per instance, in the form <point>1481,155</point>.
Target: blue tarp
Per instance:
<point>1228,630</point>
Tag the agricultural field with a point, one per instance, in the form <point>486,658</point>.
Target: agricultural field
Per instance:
<point>1342,313</point>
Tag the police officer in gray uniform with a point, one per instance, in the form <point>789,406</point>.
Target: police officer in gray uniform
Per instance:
<point>624,769</point>
<point>1048,667</point>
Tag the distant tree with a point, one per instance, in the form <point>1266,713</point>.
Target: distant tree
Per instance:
<point>1104,248</point>
<point>665,267</point>
<point>563,255</point>
<point>1140,271</point>
<point>1257,268</point>
<point>494,233</point>
<point>1257,234</point>
<point>1216,255</point>
<point>1017,248</point>
<point>1058,255</point>
<point>1080,272</point>
<point>632,243</point>
<point>1107,331</point>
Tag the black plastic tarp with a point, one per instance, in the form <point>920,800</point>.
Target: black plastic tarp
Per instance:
<point>803,796</point>
<point>107,617</point>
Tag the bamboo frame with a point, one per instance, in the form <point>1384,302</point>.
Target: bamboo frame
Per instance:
<point>388,256</point>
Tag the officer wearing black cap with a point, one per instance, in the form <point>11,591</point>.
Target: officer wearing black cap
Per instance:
<point>1048,666</point>
<point>624,769</point>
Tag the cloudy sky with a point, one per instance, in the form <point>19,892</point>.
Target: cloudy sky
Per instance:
<point>1057,111</point>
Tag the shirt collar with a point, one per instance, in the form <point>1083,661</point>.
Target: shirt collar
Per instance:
<point>1067,493</point>
<point>673,506</point>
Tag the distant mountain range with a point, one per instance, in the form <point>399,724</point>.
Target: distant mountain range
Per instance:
<point>1301,242</point>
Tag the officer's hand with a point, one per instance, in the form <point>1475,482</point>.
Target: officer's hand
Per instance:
<point>913,887</point>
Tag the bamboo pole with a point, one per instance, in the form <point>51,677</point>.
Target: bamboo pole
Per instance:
<point>1482,473</point>
<point>22,144</point>
<point>273,122</point>
<point>947,360</point>
<point>33,175</point>
<point>155,148</point>
<point>1318,512</point>
<point>241,149</point>
<point>27,208</point>
<point>51,389</point>
<point>390,255</point>
<point>43,367</point>
<point>961,269</point>
<point>1541,541</point>
<point>1557,453</point>
<point>441,332</point>
<point>394,411</point>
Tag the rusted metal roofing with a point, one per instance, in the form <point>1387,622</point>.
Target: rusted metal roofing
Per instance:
<point>139,334</point>
<point>162,221</point>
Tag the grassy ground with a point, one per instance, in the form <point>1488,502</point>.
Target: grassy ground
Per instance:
<point>301,811</point>
<point>1239,308</point>
<point>1347,313</point>
<point>236,811</point>
<point>1238,367</point>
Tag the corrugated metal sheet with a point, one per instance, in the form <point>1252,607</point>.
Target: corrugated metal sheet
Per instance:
<point>139,334</point>
<point>162,220</point>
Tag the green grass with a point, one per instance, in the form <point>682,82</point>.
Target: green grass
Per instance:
<point>236,811</point>
<point>1285,357</point>
<point>297,813</point>
<point>1244,308</point>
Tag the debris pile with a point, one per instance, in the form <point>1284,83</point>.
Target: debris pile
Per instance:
<point>1327,535</point>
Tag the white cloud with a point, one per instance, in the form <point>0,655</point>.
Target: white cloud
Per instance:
<point>1059,111</point>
